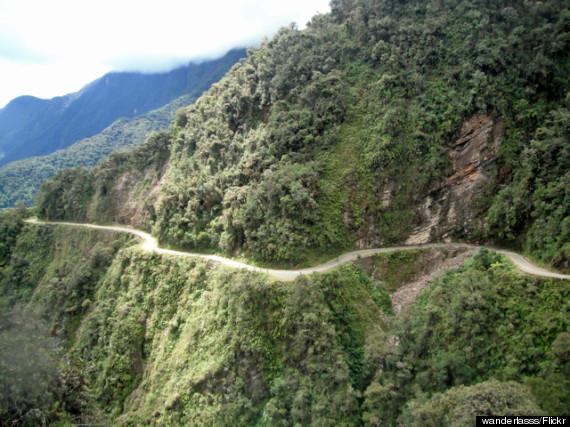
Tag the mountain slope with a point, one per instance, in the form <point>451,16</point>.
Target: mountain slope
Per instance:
<point>152,338</point>
<point>20,180</point>
<point>32,127</point>
<point>382,122</point>
<point>378,124</point>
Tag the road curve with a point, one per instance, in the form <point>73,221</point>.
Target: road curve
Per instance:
<point>150,244</point>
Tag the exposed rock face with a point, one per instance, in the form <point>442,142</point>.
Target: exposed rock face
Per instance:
<point>450,210</point>
<point>131,197</point>
<point>406,296</point>
<point>125,190</point>
<point>472,149</point>
<point>136,190</point>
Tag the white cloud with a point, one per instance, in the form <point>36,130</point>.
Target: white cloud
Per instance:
<point>50,48</point>
<point>45,80</point>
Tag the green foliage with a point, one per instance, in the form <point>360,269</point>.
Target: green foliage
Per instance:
<point>288,193</point>
<point>53,272</point>
<point>347,291</point>
<point>68,284</point>
<point>459,406</point>
<point>289,155</point>
<point>552,387</point>
<point>25,255</point>
<point>80,194</point>
<point>38,386</point>
<point>54,269</point>
<point>223,346</point>
<point>321,139</point>
<point>11,224</point>
<point>398,268</point>
<point>480,322</point>
<point>65,196</point>
<point>174,340</point>
<point>539,195</point>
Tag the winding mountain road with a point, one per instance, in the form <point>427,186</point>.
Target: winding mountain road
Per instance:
<point>150,244</point>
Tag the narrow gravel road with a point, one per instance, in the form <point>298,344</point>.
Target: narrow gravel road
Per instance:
<point>150,244</point>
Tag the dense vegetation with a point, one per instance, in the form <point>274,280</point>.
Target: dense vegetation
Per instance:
<point>80,185</point>
<point>538,197</point>
<point>479,323</point>
<point>323,139</point>
<point>292,152</point>
<point>20,180</point>
<point>127,336</point>
<point>46,279</point>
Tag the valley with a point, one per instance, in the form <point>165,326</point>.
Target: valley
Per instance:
<point>86,143</point>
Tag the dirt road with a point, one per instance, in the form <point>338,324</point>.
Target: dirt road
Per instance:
<point>150,244</point>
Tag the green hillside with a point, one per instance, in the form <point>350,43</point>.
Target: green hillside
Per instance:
<point>382,123</point>
<point>20,180</point>
<point>117,335</point>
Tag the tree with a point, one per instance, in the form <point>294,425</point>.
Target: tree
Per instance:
<point>459,406</point>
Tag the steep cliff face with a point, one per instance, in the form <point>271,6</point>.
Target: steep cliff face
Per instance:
<point>179,340</point>
<point>140,338</point>
<point>477,146</point>
<point>475,168</point>
<point>133,194</point>
<point>451,210</point>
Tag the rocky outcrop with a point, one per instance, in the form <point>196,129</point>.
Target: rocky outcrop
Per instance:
<point>478,144</point>
<point>451,209</point>
<point>133,194</point>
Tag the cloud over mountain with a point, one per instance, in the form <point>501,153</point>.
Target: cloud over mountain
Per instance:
<point>64,44</point>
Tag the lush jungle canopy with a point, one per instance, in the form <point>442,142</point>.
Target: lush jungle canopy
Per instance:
<point>352,132</point>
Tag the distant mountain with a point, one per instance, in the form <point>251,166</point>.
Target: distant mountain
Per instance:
<point>20,180</point>
<point>33,127</point>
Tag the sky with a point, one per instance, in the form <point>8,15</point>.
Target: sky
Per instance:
<point>54,47</point>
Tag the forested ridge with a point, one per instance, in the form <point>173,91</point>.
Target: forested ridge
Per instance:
<point>20,180</point>
<point>340,135</point>
<point>383,122</point>
<point>31,126</point>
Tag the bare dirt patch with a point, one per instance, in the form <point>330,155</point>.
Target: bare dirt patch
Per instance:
<point>407,274</point>
<point>407,295</point>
